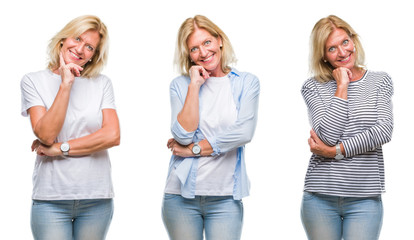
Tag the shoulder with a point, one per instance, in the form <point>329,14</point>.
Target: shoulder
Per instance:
<point>37,79</point>
<point>99,78</point>
<point>180,82</point>
<point>379,77</point>
<point>245,76</point>
<point>244,80</point>
<point>42,74</point>
<point>310,83</point>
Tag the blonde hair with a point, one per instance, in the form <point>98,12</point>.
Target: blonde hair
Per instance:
<point>182,55</point>
<point>322,70</point>
<point>75,28</point>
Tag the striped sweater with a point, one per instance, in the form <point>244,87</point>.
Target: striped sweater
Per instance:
<point>363,123</point>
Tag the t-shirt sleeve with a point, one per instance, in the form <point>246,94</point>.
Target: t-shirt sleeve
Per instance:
<point>108,100</point>
<point>30,95</point>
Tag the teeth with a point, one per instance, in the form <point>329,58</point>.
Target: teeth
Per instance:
<point>207,59</point>
<point>346,59</point>
<point>76,56</point>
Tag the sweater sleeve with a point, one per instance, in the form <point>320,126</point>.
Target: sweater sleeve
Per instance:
<point>327,117</point>
<point>381,132</point>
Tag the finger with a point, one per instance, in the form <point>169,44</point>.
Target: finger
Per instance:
<point>170,142</point>
<point>35,144</point>
<point>204,73</point>
<point>75,69</point>
<point>61,59</point>
<point>76,72</point>
<point>313,134</point>
<point>349,73</point>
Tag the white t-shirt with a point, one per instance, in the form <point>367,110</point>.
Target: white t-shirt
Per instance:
<point>217,112</point>
<point>69,178</point>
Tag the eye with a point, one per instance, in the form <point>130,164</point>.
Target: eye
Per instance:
<point>331,49</point>
<point>77,39</point>
<point>208,42</point>
<point>90,48</point>
<point>345,42</point>
<point>193,49</point>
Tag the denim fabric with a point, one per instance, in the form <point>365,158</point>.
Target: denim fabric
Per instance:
<point>246,90</point>
<point>334,218</point>
<point>71,219</point>
<point>221,217</point>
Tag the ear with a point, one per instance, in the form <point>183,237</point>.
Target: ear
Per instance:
<point>220,42</point>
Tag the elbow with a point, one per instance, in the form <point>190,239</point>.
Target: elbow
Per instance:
<point>45,140</point>
<point>113,138</point>
<point>327,138</point>
<point>116,139</point>
<point>44,136</point>
<point>247,138</point>
<point>183,141</point>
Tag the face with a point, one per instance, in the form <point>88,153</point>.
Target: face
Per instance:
<point>339,49</point>
<point>80,50</point>
<point>205,51</point>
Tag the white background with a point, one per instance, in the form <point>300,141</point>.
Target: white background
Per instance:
<point>271,40</point>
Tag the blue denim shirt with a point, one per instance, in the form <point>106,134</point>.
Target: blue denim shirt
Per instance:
<point>245,89</point>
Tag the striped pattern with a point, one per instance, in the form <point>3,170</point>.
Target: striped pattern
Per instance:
<point>363,123</point>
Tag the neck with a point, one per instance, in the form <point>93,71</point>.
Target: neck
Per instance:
<point>357,73</point>
<point>217,73</point>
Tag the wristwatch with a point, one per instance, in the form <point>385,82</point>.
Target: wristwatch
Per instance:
<point>338,155</point>
<point>65,147</point>
<point>196,149</point>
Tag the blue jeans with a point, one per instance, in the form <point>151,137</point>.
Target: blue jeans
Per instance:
<point>333,218</point>
<point>185,219</point>
<point>71,219</point>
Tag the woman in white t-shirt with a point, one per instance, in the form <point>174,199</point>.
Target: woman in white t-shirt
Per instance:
<point>214,114</point>
<point>72,112</point>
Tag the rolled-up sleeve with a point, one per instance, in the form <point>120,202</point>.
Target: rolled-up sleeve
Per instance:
<point>178,93</point>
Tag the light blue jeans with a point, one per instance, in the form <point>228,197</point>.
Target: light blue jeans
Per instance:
<point>333,218</point>
<point>71,219</point>
<point>185,219</point>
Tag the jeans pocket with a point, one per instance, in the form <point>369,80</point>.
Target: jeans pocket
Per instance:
<point>308,196</point>
<point>169,196</point>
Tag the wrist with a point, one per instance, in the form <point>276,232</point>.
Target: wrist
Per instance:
<point>196,149</point>
<point>338,151</point>
<point>64,148</point>
<point>65,86</point>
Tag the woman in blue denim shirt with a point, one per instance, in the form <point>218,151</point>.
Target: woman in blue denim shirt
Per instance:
<point>214,114</point>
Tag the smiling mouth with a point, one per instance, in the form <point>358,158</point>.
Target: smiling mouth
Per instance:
<point>208,59</point>
<point>345,60</point>
<point>74,55</point>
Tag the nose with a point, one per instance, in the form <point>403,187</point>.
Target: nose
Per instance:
<point>203,51</point>
<point>79,48</point>
<point>341,51</point>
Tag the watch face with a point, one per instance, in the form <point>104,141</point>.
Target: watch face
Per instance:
<point>64,147</point>
<point>339,156</point>
<point>196,149</point>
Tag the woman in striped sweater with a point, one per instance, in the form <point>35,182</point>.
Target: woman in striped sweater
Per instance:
<point>350,113</point>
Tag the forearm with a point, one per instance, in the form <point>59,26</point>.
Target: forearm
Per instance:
<point>327,119</point>
<point>368,140</point>
<point>106,137</point>
<point>189,115</point>
<point>47,124</point>
<point>95,142</point>
<point>206,149</point>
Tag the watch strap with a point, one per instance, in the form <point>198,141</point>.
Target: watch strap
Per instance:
<point>338,155</point>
